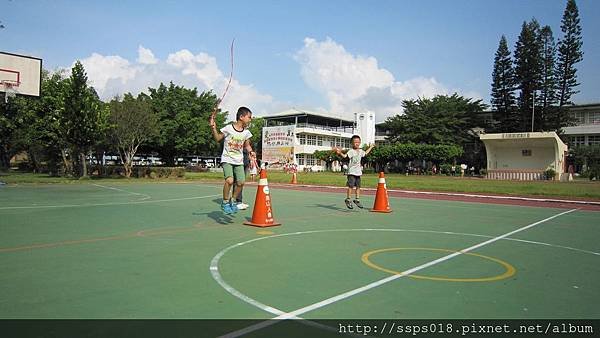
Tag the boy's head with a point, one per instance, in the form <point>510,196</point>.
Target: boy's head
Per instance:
<point>355,140</point>
<point>244,114</point>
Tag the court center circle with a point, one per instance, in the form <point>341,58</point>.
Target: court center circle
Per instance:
<point>510,270</point>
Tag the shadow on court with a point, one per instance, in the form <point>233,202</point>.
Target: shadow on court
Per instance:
<point>332,207</point>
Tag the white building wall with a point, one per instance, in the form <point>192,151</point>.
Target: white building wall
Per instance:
<point>512,158</point>
<point>365,126</point>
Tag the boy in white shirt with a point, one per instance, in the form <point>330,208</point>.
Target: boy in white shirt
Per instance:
<point>237,137</point>
<point>354,169</point>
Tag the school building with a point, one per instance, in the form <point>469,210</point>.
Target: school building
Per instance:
<point>309,131</point>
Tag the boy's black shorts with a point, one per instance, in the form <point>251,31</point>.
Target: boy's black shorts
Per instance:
<point>353,181</point>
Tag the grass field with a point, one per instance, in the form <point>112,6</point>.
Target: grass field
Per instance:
<point>578,189</point>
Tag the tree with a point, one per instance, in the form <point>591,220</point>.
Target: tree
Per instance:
<point>503,88</point>
<point>85,116</point>
<point>546,119</point>
<point>589,158</point>
<point>569,53</point>
<point>133,123</point>
<point>256,129</point>
<point>528,70</point>
<point>10,124</point>
<point>183,121</point>
<point>40,133</point>
<point>440,120</point>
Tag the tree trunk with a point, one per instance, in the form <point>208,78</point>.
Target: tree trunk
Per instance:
<point>66,163</point>
<point>4,159</point>
<point>83,165</point>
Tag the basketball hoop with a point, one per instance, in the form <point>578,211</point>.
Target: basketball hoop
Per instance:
<point>10,90</point>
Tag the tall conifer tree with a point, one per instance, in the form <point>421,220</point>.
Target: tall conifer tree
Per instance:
<point>503,88</point>
<point>546,105</point>
<point>528,71</point>
<point>569,53</point>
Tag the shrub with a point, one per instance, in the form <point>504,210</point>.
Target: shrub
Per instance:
<point>550,174</point>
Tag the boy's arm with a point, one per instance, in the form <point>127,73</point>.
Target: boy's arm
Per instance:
<point>339,152</point>
<point>370,148</point>
<point>248,147</point>
<point>218,136</point>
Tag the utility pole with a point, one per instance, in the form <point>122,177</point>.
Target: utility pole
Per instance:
<point>533,111</point>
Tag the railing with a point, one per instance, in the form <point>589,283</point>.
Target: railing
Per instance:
<point>344,129</point>
<point>515,174</point>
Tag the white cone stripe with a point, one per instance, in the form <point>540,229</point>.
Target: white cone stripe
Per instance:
<point>382,180</point>
<point>262,181</point>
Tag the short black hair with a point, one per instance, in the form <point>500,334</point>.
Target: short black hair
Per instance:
<point>242,111</point>
<point>353,137</point>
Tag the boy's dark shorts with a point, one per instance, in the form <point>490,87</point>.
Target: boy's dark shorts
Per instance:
<point>353,181</point>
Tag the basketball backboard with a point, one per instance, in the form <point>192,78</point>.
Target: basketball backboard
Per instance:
<point>20,74</point>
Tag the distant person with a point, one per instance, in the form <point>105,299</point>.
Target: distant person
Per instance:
<point>237,137</point>
<point>253,170</point>
<point>354,173</point>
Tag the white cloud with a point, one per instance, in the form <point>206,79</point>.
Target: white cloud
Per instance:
<point>354,83</point>
<point>145,56</point>
<point>115,75</point>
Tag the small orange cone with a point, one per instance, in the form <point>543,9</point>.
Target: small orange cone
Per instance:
<point>262,216</point>
<point>294,179</point>
<point>382,203</point>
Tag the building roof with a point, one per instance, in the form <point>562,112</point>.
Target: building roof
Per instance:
<point>303,112</point>
<point>310,117</point>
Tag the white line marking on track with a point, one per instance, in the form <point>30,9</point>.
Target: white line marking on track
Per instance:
<point>105,204</point>
<point>145,197</point>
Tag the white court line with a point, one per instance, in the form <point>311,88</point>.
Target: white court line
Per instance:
<point>105,204</point>
<point>145,197</point>
<point>348,294</point>
<point>415,192</point>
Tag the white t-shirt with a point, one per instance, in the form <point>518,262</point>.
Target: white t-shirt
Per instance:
<point>354,157</point>
<point>233,146</point>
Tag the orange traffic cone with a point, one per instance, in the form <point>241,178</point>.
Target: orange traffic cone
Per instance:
<point>382,203</point>
<point>294,179</point>
<point>262,216</point>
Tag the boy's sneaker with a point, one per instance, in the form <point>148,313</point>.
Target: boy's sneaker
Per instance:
<point>358,204</point>
<point>348,204</point>
<point>242,206</point>
<point>233,207</point>
<point>226,208</point>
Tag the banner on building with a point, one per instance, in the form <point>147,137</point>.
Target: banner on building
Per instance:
<point>278,146</point>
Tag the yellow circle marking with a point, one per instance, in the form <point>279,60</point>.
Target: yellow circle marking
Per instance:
<point>510,270</point>
<point>264,232</point>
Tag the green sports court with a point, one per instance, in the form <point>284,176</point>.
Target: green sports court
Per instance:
<point>166,251</point>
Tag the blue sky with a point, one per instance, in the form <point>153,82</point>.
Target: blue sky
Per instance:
<point>330,56</point>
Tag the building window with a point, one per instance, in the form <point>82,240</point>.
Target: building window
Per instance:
<point>526,152</point>
<point>594,140</point>
<point>311,140</point>
<point>302,138</point>
<point>320,140</point>
<point>579,117</point>
<point>310,160</point>
<point>594,117</point>
<point>300,159</point>
<point>577,141</point>
<point>347,143</point>
<point>339,142</point>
